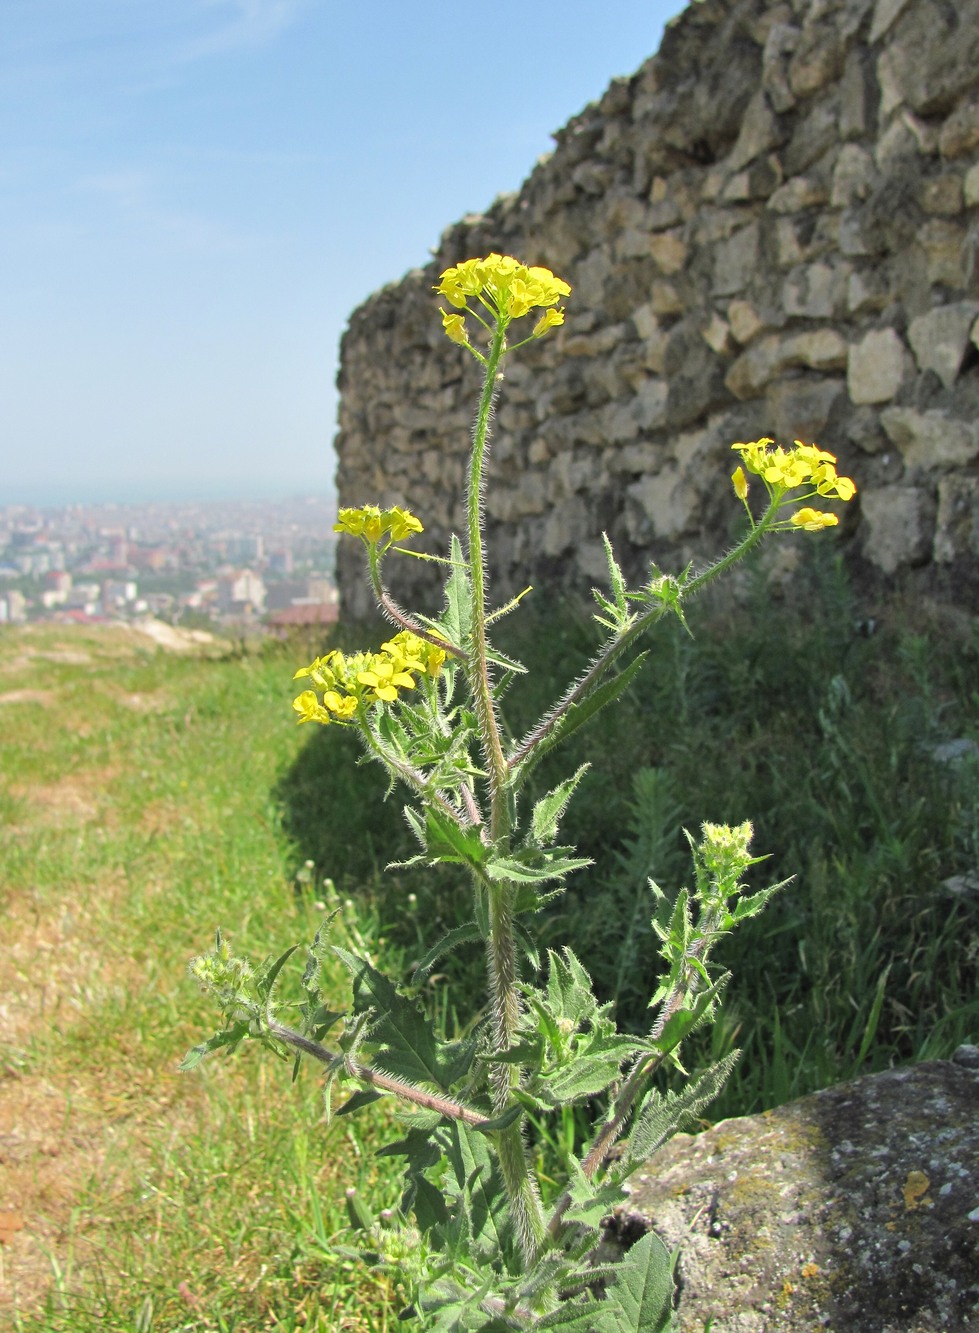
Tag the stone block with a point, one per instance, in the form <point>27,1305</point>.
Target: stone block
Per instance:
<point>805,1217</point>
<point>669,250</point>
<point>780,43</point>
<point>760,132</point>
<point>854,176</point>
<point>932,54</point>
<point>900,526</point>
<point>744,320</point>
<point>885,13</point>
<point>877,366</point>
<point>960,133</point>
<point>736,261</point>
<point>823,349</point>
<point>931,440</point>
<point>857,91</point>
<point>970,187</point>
<point>717,335</point>
<point>659,507</point>
<point>944,245</point>
<point>939,339</point>
<point>942,195</point>
<point>799,193</point>
<point>957,523</point>
<point>800,407</point>
<point>814,291</point>
<point>664,299</point>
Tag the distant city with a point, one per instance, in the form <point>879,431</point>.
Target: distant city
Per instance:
<point>227,565</point>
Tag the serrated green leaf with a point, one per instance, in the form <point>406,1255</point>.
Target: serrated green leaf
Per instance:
<point>663,1115</point>
<point>682,1023</point>
<point>428,1204</point>
<point>464,934</point>
<point>230,1036</point>
<point>593,1069</point>
<point>591,1204</point>
<point>455,619</point>
<point>509,869</point>
<point>550,808</point>
<point>448,841</point>
<point>753,904</point>
<point>642,1289</point>
<point>478,1184</point>
<point>356,1102</point>
<point>266,978</point>
<point>403,1039</point>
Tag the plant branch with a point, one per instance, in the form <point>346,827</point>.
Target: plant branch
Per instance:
<point>430,1101</point>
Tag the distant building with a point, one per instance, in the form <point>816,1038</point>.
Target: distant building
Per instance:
<point>301,615</point>
<point>241,593</point>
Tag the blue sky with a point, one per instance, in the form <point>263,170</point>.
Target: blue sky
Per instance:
<point>195,194</point>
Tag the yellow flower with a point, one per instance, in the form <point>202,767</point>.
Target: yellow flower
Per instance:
<point>309,709</point>
<point>740,483</point>
<point>549,320</point>
<point>455,328</point>
<point>371,524</point>
<point>507,288</point>
<point>401,523</point>
<point>812,520</point>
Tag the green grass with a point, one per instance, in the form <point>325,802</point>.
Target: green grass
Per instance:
<point>138,816</point>
<point>148,798</point>
<point>786,711</point>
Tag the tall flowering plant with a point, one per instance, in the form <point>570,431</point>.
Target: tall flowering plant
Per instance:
<point>472,1232</point>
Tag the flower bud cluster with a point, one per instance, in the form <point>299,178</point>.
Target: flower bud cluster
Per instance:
<point>347,681</point>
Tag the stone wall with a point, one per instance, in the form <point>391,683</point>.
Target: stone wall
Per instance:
<point>772,228</point>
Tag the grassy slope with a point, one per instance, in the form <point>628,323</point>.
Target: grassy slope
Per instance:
<point>150,798</point>
<point>137,816</point>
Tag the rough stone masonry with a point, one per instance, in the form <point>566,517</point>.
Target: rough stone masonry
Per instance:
<point>772,228</point>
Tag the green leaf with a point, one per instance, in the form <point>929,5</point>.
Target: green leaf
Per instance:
<point>591,1204</point>
<point>266,978</point>
<point>479,1184</point>
<point>455,620</point>
<point>230,1036</point>
<point>448,841</point>
<point>403,1039</point>
<point>428,1204</point>
<point>580,713</point>
<point>638,1296</point>
<point>643,1287</point>
<point>464,934</point>
<point>510,869</point>
<point>663,1115</point>
<point>549,809</point>
<point>365,1097</point>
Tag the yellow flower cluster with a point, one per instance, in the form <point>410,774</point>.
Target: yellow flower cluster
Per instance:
<point>784,470</point>
<point>373,524</point>
<point>345,682</point>
<point>506,288</point>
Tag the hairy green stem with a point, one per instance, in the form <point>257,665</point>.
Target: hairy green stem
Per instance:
<point>619,642</point>
<point>398,615</point>
<point>429,1101</point>
<point>521,1187</point>
<point>478,665</point>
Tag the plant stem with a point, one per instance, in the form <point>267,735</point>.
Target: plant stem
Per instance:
<point>397,614</point>
<point>619,642</point>
<point>477,665</point>
<point>521,1187</point>
<point>429,1101</point>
